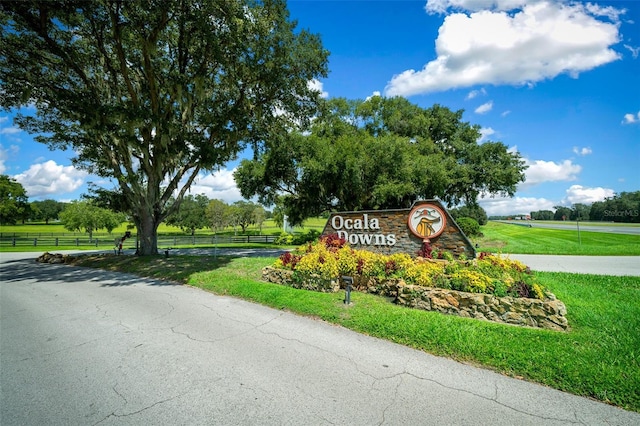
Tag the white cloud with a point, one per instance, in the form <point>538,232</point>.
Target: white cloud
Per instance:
<point>9,131</point>
<point>582,151</point>
<point>505,113</point>
<point>609,12</point>
<point>631,119</point>
<point>219,185</point>
<point>4,156</point>
<point>484,108</point>
<point>441,6</point>
<point>634,50</point>
<point>373,95</point>
<point>475,93</point>
<point>49,178</point>
<point>540,171</point>
<point>584,195</point>
<point>536,41</point>
<point>485,132</point>
<point>3,119</point>
<point>501,206</point>
<point>317,85</point>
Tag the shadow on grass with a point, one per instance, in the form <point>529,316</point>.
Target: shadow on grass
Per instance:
<point>113,271</point>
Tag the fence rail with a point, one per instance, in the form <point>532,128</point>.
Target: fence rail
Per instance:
<point>110,242</point>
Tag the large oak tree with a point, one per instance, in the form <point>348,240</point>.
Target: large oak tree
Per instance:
<point>379,153</point>
<point>151,93</point>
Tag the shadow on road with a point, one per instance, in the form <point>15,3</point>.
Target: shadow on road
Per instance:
<point>29,270</point>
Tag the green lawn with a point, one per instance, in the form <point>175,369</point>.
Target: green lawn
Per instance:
<point>268,228</point>
<point>599,357</point>
<point>508,238</point>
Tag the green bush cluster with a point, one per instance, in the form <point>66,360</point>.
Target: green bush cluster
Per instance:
<point>469,226</point>
<point>287,239</point>
<point>331,257</point>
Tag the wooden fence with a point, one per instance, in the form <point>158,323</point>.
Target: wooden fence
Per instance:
<point>52,240</point>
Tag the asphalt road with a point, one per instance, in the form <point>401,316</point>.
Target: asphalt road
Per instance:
<point>598,265</point>
<point>87,347</point>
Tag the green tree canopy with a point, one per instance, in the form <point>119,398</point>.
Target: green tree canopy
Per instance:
<point>13,200</point>
<point>375,154</point>
<point>259,216</point>
<point>191,215</point>
<point>580,211</point>
<point>150,93</point>
<point>218,215</point>
<point>562,213</point>
<point>87,217</point>
<point>473,211</point>
<point>47,210</point>
<point>542,215</point>
<point>623,207</point>
<point>245,213</point>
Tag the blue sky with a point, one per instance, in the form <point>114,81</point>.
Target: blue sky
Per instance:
<point>557,81</point>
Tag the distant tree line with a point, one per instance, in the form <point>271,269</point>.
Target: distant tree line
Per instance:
<point>623,207</point>
<point>97,211</point>
<point>198,212</point>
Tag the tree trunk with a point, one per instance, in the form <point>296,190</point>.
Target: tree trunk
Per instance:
<point>147,236</point>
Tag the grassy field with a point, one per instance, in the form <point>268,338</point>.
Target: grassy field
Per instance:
<point>599,357</point>
<point>508,238</point>
<point>46,234</point>
<point>268,228</point>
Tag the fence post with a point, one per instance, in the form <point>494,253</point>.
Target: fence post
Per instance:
<point>56,241</point>
<point>13,241</point>
<point>174,241</point>
<point>35,241</point>
<point>77,242</point>
<point>96,242</point>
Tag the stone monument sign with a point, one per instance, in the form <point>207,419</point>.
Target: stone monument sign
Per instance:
<point>402,230</point>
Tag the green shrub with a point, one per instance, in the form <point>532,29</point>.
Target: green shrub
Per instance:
<point>469,226</point>
<point>284,239</point>
<point>309,236</point>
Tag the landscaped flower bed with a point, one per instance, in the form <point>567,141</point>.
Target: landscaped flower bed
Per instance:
<point>490,287</point>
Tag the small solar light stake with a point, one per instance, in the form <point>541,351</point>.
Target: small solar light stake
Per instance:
<point>347,295</point>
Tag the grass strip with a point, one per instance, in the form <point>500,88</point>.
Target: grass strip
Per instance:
<point>508,238</point>
<point>598,358</point>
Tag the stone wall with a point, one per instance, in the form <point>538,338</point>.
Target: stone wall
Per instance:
<point>394,222</point>
<point>547,314</point>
